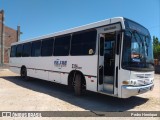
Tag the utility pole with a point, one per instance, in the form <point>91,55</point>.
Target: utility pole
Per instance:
<point>18,33</point>
<point>2,37</point>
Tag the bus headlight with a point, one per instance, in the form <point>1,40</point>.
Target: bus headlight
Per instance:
<point>128,82</point>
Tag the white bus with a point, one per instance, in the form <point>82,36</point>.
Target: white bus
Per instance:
<point>112,57</point>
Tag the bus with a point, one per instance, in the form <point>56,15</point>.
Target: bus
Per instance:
<point>112,57</point>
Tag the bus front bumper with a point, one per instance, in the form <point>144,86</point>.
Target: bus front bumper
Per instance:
<point>128,91</point>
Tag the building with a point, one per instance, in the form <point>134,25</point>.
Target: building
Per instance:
<point>9,36</point>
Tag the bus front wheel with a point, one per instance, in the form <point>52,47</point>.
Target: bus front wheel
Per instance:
<point>78,85</point>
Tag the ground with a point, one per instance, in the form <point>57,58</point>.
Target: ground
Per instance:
<point>17,94</point>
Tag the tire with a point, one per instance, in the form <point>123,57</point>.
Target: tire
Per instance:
<point>24,73</point>
<point>70,87</point>
<point>78,85</point>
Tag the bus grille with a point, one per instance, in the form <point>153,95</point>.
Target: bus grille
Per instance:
<point>143,79</point>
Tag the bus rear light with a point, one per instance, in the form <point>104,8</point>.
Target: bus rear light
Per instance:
<point>89,76</point>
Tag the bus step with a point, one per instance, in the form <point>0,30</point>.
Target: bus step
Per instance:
<point>106,91</point>
<point>108,87</point>
<point>108,79</point>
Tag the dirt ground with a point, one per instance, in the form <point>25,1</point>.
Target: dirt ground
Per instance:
<point>17,94</point>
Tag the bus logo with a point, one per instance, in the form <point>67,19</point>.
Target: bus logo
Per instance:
<point>60,63</point>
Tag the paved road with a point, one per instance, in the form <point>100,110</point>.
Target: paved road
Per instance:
<point>19,95</point>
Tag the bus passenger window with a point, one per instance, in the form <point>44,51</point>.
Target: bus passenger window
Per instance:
<point>26,50</point>
<point>62,46</point>
<point>13,51</point>
<point>47,47</point>
<point>19,51</point>
<point>82,42</point>
<point>36,49</point>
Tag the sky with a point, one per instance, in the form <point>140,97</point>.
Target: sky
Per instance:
<point>41,17</point>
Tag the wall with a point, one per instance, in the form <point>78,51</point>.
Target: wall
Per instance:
<point>10,36</point>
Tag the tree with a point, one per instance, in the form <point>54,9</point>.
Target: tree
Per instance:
<point>156,47</point>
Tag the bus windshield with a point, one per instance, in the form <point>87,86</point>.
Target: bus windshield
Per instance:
<point>137,49</point>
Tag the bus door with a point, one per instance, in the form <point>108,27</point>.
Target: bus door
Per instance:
<point>108,62</point>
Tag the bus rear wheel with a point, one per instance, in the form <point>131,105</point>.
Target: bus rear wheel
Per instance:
<point>24,73</point>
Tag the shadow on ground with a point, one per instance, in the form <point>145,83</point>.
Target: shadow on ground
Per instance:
<point>91,101</point>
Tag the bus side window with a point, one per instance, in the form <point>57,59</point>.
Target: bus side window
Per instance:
<point>13,51</point>
<point>47,47</point>
<point>19,50</point>
<point>62,46</point>
<point>26,50</point>
<point>83,43</point>
<point>36,49</point>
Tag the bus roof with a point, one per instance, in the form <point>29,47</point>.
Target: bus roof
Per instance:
<point>76,29</point>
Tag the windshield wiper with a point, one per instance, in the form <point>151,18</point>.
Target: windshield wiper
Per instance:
<point>143,47</point>
<point>136,41</point>
<point>139,37</point>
